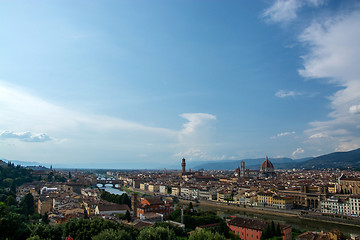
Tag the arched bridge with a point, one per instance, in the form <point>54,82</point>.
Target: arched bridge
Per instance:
<point>109,181</point>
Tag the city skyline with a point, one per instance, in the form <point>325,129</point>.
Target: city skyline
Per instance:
<point>128,84</point>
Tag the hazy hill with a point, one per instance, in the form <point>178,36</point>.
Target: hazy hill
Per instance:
<point>31,165</point>
<point>333,160</point>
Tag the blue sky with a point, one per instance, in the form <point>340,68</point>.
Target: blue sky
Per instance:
<point>141,84</point>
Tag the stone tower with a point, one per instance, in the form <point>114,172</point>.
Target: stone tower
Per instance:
<point>183,165</point>
<point>242,169</point>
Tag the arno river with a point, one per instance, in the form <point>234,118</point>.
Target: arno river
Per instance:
<point>294,221</point>
<point>110,189</point>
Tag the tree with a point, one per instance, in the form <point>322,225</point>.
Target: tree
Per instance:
<point>12,225</point>
<point>190,206</point>
<point>86,215</point>
<point>11,201</point>
<point>156,233</point>
<point>44,231</point>
<point>59,178</point>
<point>223,229</point>
<point>278,230</point>
<point>50,176</point>
<point>111,234</point>
<point>266,233</point>
<point>36,237</point>
<point>27,205</point>
<point>179,232</point>
<point>84,229</point>
<point>45,218</point>
<point>206,235</point>
<point>69,175</point>
<point>272,229</point>
<point>13,187</point>
<point>127,216</point>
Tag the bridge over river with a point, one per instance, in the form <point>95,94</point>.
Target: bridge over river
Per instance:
<point>114,182</point>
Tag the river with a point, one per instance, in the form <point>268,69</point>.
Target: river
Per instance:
<point>110,189</point>
<point>293,221</point>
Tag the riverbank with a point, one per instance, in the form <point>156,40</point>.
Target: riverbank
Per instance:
<point>130,191</point>
<point>280,213</point>
<point>223,206</point>
<point>272,212</point>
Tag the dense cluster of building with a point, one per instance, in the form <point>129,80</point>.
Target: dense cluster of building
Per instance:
<point>328,192</point>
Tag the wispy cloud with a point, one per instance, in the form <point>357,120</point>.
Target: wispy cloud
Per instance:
<point>283,11</point>
<point>334,55</point>
<point>25,136</point>
<point>286,93</point>
<point>195,120</point>
<point>26,114</point>
<point>198,154</point>
<point>318,135</point>
<point>298,151</point>
<point>282,134</point>
<point>354,109</point>
<point>22,109</point>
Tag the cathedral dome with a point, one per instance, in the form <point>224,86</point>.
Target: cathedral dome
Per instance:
<point>267,166</point>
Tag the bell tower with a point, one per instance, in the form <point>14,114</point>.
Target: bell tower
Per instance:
<point>183,165</point>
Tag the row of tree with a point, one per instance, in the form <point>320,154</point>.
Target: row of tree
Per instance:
<point>271,231</point>
<point>99,229</point>
<point>115,198</point>
<point>12,176</point>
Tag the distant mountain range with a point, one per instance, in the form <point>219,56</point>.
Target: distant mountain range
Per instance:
<point>332,160</point>
<point>32,165</point>
<point>249,163</point>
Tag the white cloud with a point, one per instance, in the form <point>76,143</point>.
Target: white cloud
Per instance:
<point>346,146</point>
<point>286,10</point>
<point>298,151</point>
<point>195,137</point>
<point>282,11</point>
<point>195,120</point>
<point>318,135</point>
<point>197,154</point>
<point>197,129</point>
<point>285,93</point>
<point>22,110</point>
<point>334,55</point>
<point>90,134</point>
<point>354,109</point>
<point>282,134</point>
<point>25,136</point>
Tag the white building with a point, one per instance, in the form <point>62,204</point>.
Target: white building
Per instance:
<point>335,205</point>
<point>354,202</point>
<point>163,189</point>
<point>185,192</point>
